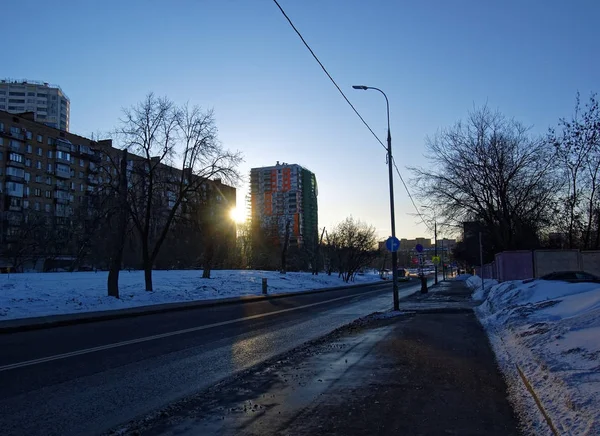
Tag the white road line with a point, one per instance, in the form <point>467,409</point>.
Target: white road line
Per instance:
<point>166,335</point>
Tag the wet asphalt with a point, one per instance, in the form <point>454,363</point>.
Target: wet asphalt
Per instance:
<point>429,371</point>
<point>93,392</point>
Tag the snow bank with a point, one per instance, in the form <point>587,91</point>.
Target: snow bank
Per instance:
<point>462,277</point>
<point>551,330</point>
<point>30,294</point>
<point>480,292</point>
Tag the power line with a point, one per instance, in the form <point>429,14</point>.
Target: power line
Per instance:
<point>328,75</point>
<point>353,108</point>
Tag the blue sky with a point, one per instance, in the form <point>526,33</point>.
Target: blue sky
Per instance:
<point>436,60</point>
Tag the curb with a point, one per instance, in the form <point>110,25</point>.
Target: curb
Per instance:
<point>50,321</point>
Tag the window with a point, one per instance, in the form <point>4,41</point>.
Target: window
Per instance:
<point>40,138</point>
<point>1,141</point>
<point>39,151</point>
<point>49,154</point>
<point>36,205</point>
<point>49,169</point>
<point>37,192</point>
<point>81,162</point>
<point>15,157</point>
<point>26,204</point>
<point>15,130</point>
<point>28,162</point>
<point>47,207</point>
<point>81,187</point>
<point>51,141</point>
<point>27,177</point>
<point>1,155</point>
<point>63,155</point>
<point>48,194</point>
<point>48,180</point>
<point>38,179</point>
<point>28,148</point>
<point>38,164</point>
<point>17,94</point>
<point>81,175</point>
<point>27,191</point>
<point>72,186</point>
<point>31,94</point>
<point>15,172</point>
<point>29,135</point>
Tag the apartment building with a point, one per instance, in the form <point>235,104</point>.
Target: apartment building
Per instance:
<point>285,195</point>
<point>49,104</point>
<point>50,172</point>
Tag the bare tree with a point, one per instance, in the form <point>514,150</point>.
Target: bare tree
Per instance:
<point>118,242</point>
<point>577,145</point>
<point>489,169</point>
<point>165,135</point>
<point>354,245</point>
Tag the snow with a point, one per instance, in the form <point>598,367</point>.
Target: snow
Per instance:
<point>36,294</point>
<point>474,282</point>
<point>551,330</point>
<point>462,277</point>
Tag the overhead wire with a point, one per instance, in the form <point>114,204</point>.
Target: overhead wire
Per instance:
<point>352,106</point>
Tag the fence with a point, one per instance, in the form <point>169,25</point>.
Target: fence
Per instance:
<point>520,265</point>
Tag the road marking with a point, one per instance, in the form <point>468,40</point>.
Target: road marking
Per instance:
<point>166,335</point>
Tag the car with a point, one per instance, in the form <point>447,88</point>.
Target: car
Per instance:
<point>572,277</point>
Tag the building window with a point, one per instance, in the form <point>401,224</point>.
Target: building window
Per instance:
<point>47,207</point>
<point>47,194</point>
<point>28,162</point>
<point>72,186</point>
<point>39,151</point>
<point>40,138</point>
<point>27,177</point>
<point>26,204</point>
<point>38,179</point>
<point>38,164</point>
<point>36,205</point>
<point>27,191</point>
<point>15,172</point>
<point>29,135</point>
<point>63,155</point>
<point>81,175</point>
<point>1,155</point>
<point>28,148</point>
<point>48,180</point>
<point>81,187</point>
<point>49,167</point>
<point>37,192</point>
<point>81,163</point>
<point>49,154</point>
<point>1,141</point>
<point>15,157</point>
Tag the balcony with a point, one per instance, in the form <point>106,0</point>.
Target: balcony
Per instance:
<point>61,201</point>
<point>92,180</point>
<point>63,174</point>
<point>15,135</point>
<point>63,145</point>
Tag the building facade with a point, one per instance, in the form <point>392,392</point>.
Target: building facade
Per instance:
<point>283,201</point>
<point>52,174</point>
<point>48,103</point>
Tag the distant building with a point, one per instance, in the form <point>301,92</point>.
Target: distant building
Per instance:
<point>48,103</point>
<point>410,244</point>
<point>285,196</point>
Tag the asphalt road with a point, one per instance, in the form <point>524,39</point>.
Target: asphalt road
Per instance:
<point>90,378</point>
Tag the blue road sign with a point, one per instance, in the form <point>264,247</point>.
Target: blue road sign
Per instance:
<point>419,248</point>
<point>392,243</point>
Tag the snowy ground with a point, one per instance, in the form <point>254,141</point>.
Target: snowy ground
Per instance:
<point>551,331</point>
<point>35,294</point>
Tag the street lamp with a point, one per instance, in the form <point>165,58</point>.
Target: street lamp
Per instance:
<point>390,163</point>
<point>435,242</point>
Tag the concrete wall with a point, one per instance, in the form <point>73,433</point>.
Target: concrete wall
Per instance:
<point>548,261</point>
<point>590,262</point>
<point>514,265</point>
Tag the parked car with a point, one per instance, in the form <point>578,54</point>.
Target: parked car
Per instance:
<point>572,277</point>
<point>403,275</point>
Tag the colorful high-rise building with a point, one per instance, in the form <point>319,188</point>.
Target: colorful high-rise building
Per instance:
<point>283,200</point>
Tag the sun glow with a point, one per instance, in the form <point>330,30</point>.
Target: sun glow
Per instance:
<point>238,215</point>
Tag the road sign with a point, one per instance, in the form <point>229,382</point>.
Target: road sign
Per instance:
<point>392,243</point>
<point>435,260</point>
<point>419,248</point>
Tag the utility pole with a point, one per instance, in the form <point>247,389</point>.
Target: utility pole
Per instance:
<point>435,251</point>
<point>481,260</point>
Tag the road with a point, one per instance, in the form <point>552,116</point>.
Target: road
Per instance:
<point>90,378</point>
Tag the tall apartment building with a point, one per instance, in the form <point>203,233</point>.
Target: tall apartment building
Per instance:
<point>49,172</point>
<point>285,195</point>
<point>48,103</point>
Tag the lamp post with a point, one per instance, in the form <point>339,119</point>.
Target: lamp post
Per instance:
<point>391,177</point>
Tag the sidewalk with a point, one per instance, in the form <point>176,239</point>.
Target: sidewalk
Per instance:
<point>429,370</point>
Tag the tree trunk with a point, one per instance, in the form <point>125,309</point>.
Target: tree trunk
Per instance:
<point>285,248</point>
<point>208,258</point>
<point>148,275</point>
<point>119,235</point>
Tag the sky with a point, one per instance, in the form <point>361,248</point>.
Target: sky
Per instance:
<point>436,61</point>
